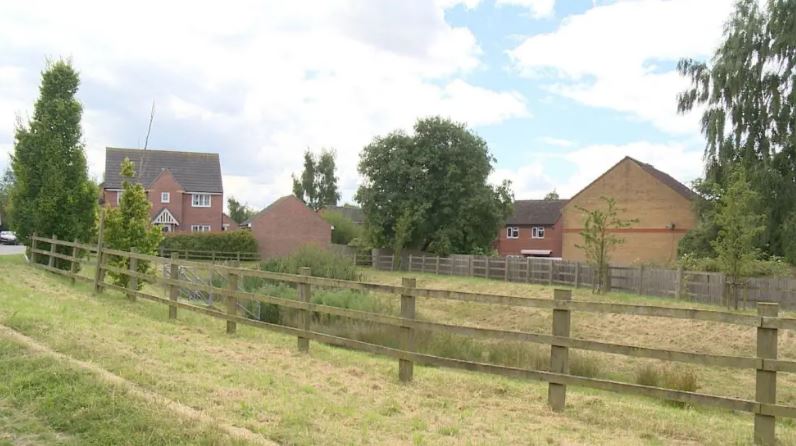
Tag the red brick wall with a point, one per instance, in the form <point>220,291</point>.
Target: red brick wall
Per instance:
<point>180,204</point>
<point>288,225</point>
<point>212,216</point>
<point>166,183</point>
<point>553,236</point>
<point>233,226</point>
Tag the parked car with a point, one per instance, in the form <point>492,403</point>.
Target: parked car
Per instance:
<point>8,238</point>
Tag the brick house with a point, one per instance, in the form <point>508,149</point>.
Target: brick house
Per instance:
<point>662,205</point>
<point>286,225</point>
<point>533,230</point>
<point>184,188</point>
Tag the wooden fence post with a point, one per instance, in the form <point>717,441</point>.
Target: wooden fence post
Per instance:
<point>99,276</point>
<point>678,283</point>
<point>51,260</point>
<point>174,290</point>
<point>132,280</point>
<point>304,317</point>
<point>232,301</point>
<point>32,258</point>
<point>436,268</point>
<point>766,380</point>
<point>406,367</point>
<point>470,264</point>
<point>559,356</point>
<point>355,259</point>
<point>550,272</point>
<point>641,279</point>
<point>505,269</point>
<point>528,269</point>
<point>577,274</point>
<point>73,263</point>
<point>410,263</point>
<point>487,267</point>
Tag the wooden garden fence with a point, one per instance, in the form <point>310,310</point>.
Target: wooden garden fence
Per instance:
<point>695,286</point>
<point>767,324</point>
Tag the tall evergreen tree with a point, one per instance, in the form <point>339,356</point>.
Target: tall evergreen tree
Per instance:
<point>317,185</point>
<point>750,116</point>
<point>129,225</point>
<point>52,194</point>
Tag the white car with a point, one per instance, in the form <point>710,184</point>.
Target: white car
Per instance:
<point>8,238</point>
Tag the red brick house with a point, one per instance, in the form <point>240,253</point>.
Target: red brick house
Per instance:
<point>184,188</point>
<point>286,225</point>
<point>533,230</point>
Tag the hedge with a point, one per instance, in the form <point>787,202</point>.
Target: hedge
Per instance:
<point>231,241</point>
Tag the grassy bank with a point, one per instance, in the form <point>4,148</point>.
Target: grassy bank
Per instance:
<point>256,380</point>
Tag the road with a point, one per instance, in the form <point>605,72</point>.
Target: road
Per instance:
<point>6,250</point>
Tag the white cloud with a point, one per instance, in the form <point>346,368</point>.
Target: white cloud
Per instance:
<point>681,160</point>
<point>258,82</point>
<point>558,142</point>
<point>537,8</point>
<point>620,56</point>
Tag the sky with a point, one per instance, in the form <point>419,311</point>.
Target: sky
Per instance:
<point>560,89</point>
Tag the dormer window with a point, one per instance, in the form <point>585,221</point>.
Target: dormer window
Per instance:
<point>165,197</point>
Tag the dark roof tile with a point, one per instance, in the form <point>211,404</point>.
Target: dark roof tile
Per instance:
<point>538,212</point>
<point>195,171</point>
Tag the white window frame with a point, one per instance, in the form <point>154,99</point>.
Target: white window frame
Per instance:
<point>165,197</point>
<point>512,232</point>
<point>537,232</point>
<point>198,200</point>
<point>200,228</point>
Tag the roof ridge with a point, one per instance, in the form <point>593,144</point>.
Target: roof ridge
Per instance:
<point>162,150</point>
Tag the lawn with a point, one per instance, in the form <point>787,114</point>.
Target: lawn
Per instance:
<point>256,379</point>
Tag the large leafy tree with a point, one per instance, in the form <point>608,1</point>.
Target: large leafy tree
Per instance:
<point>317,185</point>
<point>238,211</point>
<point>129,225</point>
<point>52,194</point>
<point>748,94</point>
<point>429,190</point>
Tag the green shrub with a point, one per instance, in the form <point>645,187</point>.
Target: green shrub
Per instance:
<point>774,266</point>
<point>322,263</point>
<point>345,230</point>
<point>230,241</point>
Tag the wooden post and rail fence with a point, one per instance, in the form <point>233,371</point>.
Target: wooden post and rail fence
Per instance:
<point>696,286</point>
<point>767,323</point>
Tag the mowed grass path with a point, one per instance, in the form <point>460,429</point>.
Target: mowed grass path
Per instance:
<point>256,380</point>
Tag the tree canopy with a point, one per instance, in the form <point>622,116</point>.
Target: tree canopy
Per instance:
<point>238,211</point>
<point>317,185</point>
<point>429,190</point>
<point>750,102</point>
<point>129,225</point>
<point>552,195</point>
<point>52,194</point>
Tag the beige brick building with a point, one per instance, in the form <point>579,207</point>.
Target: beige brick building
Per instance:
<point>662,205</point>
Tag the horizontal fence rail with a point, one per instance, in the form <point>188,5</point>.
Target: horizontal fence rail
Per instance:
<point>227,307</point>
<point>198,254</point>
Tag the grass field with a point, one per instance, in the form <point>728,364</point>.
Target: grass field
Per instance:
<point>256,380</point>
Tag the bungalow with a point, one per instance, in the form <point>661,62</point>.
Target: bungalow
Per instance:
<point>286,225</point>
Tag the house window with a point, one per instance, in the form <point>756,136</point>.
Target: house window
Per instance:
<point>200,228</point>
<point>537,232</point>
<point>118,197</point>
<point>225,227</point>
<point>512,232</point>
<point>165,197</point>
<point>200,200</point>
